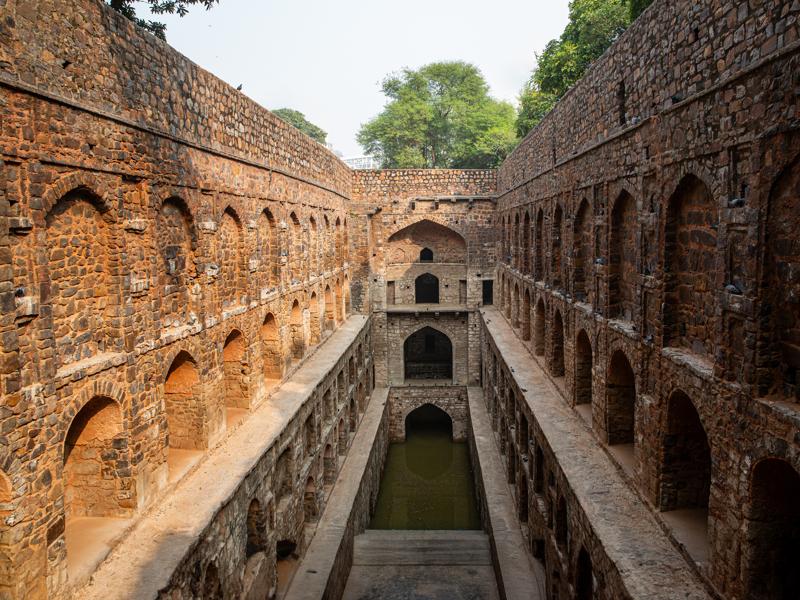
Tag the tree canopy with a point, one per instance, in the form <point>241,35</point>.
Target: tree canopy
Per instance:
<point>298,119</point>
<point>593,26</point>
<point>440,115</point>
<point>157,7</point>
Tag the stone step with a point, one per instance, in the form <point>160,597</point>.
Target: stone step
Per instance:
<point>396,547</point>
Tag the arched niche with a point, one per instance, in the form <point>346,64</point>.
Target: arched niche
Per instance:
<point>441,242</point>
<point>428,354</point>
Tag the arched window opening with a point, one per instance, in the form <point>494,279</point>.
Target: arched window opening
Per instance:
<point>538,243</point>
<point>685,480</point>
<point>271,349</point>
<point>426,288</point>
<point>428,420</point>
<point>80,241</point>
<point>329,465</point>
<point>582,252</point>
<point>686,468</point>
<point>296,258</point>
<point>539,329</point>
<point>314,324</point>
<point>287,563</point>
<point>782,280</point>
<point>95,457</point>
<point>310,504</point>
<point>584,586</point>
<point>428,354</point>
<point>690,264</point>
<point>426,255</point>
<point>622,264</point>
<point>236,375</point>
<point>583,376</point>
<point>557,351</point>
<point>526,244</point>
<point>555,248</point>
<point>330,318</point>
<point>232,287</point>
<point>562,525</point>
<point>183,405</point>
<point>176,241</point>
<point>773,532</point>
<point>283,479</point>
<point>297,332</point>
<point>620,401</point>
<point>526,316</point>
<point>256,530</point>
<point>212,587</point>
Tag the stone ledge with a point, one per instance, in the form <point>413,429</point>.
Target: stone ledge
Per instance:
<point>322,569</point>
<point>518,576</point>
<point>630,535</point>
<point>142,564</point>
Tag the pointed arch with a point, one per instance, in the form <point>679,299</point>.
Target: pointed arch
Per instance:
<point>230,250</point>
<point>556,276</point>
<point>428,354</point>
<point>297,331</point>
<point>622,259</point>
<point>690,256</point>
<point>183,404</point>
<point>582,252</point>
<point>557,346</point>
<point>272,355</point>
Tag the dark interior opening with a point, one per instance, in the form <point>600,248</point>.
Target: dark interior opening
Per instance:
<point>426,255</point>
<point>428,354</point>
<point>428,419</point>
<point>488,292</point>
<point>284,549</point>
<point>427,289</point>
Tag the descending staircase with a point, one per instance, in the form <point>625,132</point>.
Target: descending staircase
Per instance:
<point>410,565</point>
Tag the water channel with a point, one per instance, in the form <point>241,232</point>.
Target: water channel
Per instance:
<point>427,480</point>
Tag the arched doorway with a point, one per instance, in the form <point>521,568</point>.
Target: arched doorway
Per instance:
<point>426,255</point>
<point>773,532</point>
<point>426,289</point>
<point>427,419</point>
<point>315,328</point>
<point>428,354</point>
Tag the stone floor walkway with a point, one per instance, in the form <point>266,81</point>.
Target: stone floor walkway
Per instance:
<point>421,565</point>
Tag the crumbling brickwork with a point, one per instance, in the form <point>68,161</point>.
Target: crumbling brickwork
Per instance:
<point>638,236</point>
<point>172,256</point>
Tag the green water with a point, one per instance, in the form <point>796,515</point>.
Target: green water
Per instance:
<point>427,484</point>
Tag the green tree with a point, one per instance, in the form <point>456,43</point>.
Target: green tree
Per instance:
<point>157,7</point>
<point>439,116</point>
<point>593,26</point>
<point>298,119</point>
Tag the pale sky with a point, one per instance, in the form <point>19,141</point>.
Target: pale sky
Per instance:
<point>327,58</point>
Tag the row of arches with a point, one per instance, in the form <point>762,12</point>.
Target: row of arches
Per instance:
<point>89,257</point>
<point>679,451</point>
<point>603,257</point>
<point>97,448</point>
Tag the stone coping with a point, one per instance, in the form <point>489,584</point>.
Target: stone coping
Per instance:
<point>648,564</point>
<point>316,568</point>
<point>519,577</point>
<point>143,563</point>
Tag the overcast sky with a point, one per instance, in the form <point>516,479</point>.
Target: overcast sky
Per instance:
<point>326,58</point>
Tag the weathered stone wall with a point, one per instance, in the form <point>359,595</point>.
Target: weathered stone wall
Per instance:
<point>316,453</point>
<point>642,262</point>
<point>451,399</point>
<point>448,212</point>
<point>170,251</point>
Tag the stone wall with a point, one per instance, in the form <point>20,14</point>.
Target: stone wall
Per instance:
<point>170,252</point>
<point>451,399</point>
<point>642,261</point>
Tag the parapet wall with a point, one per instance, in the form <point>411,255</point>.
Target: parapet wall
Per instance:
<point>87,54</point>
<point>675,50</point>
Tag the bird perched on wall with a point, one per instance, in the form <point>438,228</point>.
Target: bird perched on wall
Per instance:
<point>239,88</point>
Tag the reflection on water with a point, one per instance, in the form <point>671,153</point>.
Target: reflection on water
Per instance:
<point>427,484</point>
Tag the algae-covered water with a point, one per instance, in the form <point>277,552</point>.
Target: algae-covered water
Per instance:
<point>427,484</point>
